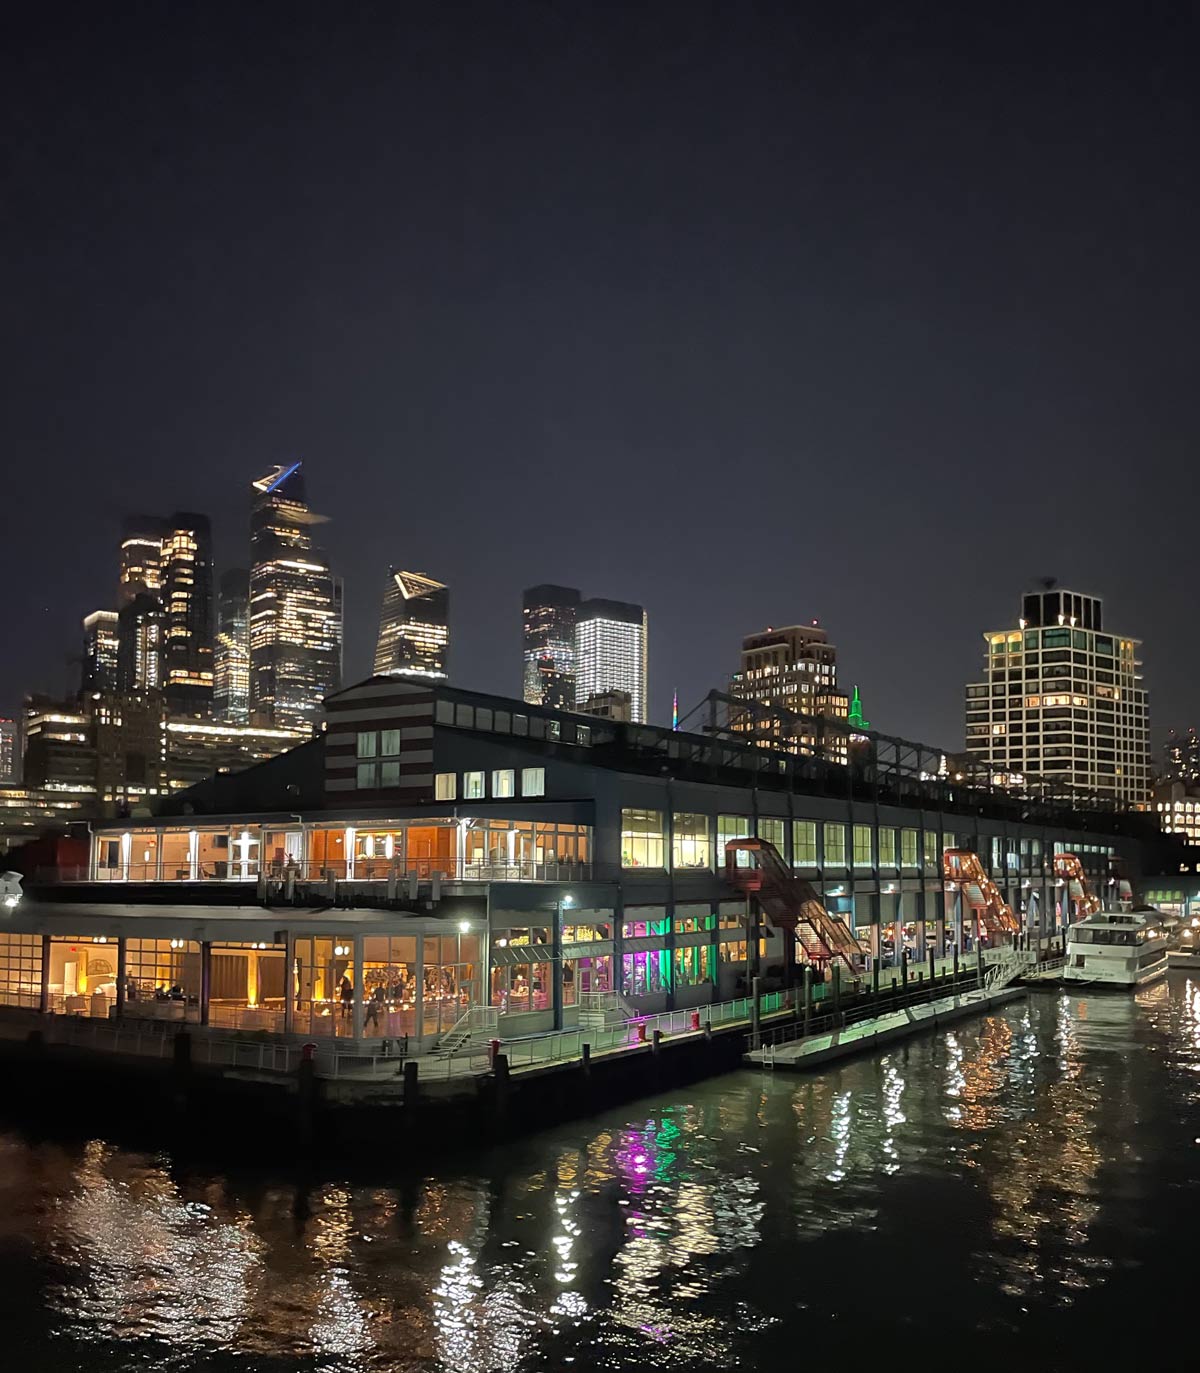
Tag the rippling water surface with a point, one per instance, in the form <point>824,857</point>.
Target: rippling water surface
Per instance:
<point>1023,1189</point>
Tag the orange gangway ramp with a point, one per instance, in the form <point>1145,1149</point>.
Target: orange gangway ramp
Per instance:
<point>1070,869</point>
<point>979,891</point>
<point>791,903</point>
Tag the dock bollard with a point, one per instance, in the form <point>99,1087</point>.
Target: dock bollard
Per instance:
<point>641,1031</point>
<point>695,1020</point>
<point>657,1045</point>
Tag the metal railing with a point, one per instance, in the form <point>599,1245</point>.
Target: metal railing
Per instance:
<point>365,870</point>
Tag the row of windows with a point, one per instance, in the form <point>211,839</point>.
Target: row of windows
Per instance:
<point>514,723</point>
<point>474,784</point>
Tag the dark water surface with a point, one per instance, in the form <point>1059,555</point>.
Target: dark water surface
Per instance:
<point>1022,1192</point>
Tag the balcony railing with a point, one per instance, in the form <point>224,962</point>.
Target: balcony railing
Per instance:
<point>374,871</point>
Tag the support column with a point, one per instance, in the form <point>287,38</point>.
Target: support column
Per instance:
<point>44,1007</point>
<point>289,983</point>
<point>959,906</point>
<point>556,967</point>
<point>419,993</point>
<point>122,975</point>
<point>357,949</point>
<point>206,977</point>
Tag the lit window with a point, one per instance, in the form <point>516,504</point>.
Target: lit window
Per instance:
<point>835,845</point>
<point>367,776</point>
<point>641,839</point>
<point>445,786</point>
<point>533,781</point>
<point>862,846</point>
<point>908,849</point>
<point>887,847</point>
<point>502,782</point>
<point>389,774</point>
<point>367,743</point>
<point>772,831</point>
<point>473,786</point>
<point>691,844</point>
<point>804,843</point>
<point>389,744</point>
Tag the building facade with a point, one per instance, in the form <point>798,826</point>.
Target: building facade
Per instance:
<point>140,557</point>
<point>100,653</point>
<point>141,635</point>
<point>789,672</point>
<point>231,652</point>
<point>611,652</point>
<point>187,601</point>
<point>1062,698</point>
<point>414,626</point>
<point>10,752</point>
<point>295,607</point>
<point>548,645</point>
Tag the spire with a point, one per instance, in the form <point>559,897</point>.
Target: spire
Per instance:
<point>675,710</point>
<point>856,715</point>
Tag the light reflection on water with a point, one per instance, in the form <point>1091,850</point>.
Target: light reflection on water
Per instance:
<point>1020,1160</point>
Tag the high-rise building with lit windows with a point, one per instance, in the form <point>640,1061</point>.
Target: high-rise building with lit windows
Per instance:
<point>414,626</point>
<point>1062,700</point>
<point>787,672</point>
<point>99,674</point>
<point>187,595</point>
<point>231,651</point>
<point>548,645</point>
<point>140,636</point>
<point>295,607</point>
<point>10,752</point>
<point>610,652</point>
<point>140,571</point>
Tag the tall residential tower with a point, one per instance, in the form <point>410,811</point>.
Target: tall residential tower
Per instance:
<point>295,607</point>
<point>231,666</point>
<point>548,645</point>
<point>610,652</point>
<point>791,671</point>
<point>1062,698</point>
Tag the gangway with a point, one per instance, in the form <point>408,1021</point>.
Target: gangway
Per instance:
<point>963,868</point>
<point>1070,869</point>
<point>791,903</point>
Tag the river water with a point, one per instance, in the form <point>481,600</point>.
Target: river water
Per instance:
<point>1022,1190</point>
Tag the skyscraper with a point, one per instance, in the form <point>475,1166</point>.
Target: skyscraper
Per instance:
<point>231,657</point>
<point>793,670</point>
<point>186,563</point>
<point>140,557</point>
<point>548,645</point>
<point>414,626</point>
<point>10,752</point>
<point>295,607</point>
<point>610,652</point>
<point>99,675</point>
<point>1061,698</point>
<point>140,634</point>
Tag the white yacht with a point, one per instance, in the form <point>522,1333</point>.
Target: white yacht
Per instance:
<point>1116,948</point>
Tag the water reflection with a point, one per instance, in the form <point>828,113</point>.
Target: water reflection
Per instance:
<point>1019,1152</point>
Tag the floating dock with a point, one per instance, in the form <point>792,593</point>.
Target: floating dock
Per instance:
<point>809,1052</point>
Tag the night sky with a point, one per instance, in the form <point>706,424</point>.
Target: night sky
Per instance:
<point>752,313</point>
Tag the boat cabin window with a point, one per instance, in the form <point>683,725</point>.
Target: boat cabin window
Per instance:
<point>1083,935</point>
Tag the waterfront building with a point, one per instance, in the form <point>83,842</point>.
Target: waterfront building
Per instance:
<point>450,856</point>
<point>10,752</point>
<point>60,751</point>
<point>194,750</point>
<point>295,607</point>
<point>414,626</point>
<point>27,812</point>
<point>548,645</point>
<point>785,674</point>
<point>100,653</point>
<point>1062,698</point>
<point>187,626</point>
<point>231,655</point>
<point>611,652</point>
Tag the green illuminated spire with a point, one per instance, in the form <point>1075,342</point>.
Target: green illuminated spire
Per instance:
<point>856,715</point>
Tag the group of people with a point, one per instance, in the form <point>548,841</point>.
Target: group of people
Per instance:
<point>397,989</point>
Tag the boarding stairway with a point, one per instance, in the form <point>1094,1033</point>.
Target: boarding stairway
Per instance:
<point>478,1026</point>
<point>1068,867</point>
<point>963,868</point>
<point>791,903</point>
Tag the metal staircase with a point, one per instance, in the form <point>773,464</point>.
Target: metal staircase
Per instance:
<point>963,868</point>
<point>1068,867</point>
<point>791,903</point>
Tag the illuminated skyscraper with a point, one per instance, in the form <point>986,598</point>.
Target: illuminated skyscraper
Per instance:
<point>140,634</point>
<point>548,645</point>
<point>141,557</point>
<point>231,658</point>
<point>10,752</point>
<point>1062,699</point>
<point>295,607</point>
<point>187,615</point>
<point>610,652</point>
<point>414,626</point>
<point>99,676</point>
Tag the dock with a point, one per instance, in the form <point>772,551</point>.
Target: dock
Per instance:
<point>801,1053</point>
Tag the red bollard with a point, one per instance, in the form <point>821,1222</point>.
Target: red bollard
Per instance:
<point>308,1052</point>
<point>495,1049</point>
<point>641,1032</point>
<point>695,1020</point>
